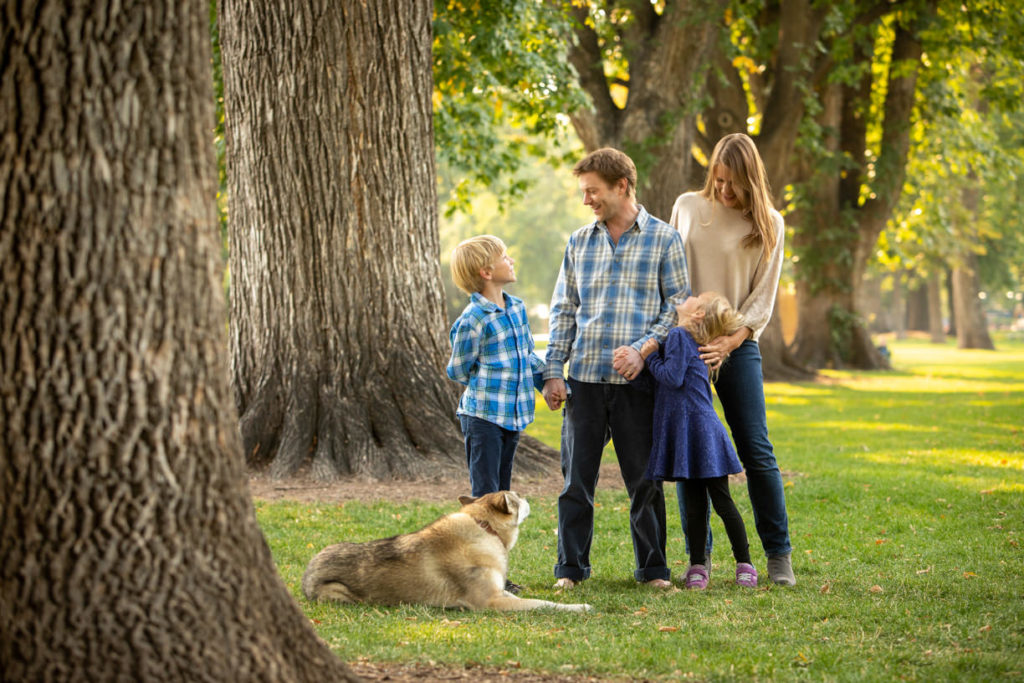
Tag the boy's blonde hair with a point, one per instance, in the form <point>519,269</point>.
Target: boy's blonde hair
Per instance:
<point>470,257</point>
<point>720,318</point>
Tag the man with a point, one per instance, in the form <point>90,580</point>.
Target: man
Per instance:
<point>619,281</point>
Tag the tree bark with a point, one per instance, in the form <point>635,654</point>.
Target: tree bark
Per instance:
<point>847,244</point>
<point>129,548</point>
<point>667,56</point>
<point>338,328</point>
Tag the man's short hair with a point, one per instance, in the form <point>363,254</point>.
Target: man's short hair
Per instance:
<point>611,166</point>
<point>472,255</point>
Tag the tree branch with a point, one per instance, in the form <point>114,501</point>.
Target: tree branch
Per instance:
<point>586,57</point>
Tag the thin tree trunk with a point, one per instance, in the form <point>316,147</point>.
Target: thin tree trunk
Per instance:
<point>917,308</point>
<point>899,308</point>
<point>935,331</point>
<point>972,325</point>
<point>129,549</point>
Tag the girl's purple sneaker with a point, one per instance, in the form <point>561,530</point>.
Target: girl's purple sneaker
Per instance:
<point>697,577</point>
<point>746,575</point>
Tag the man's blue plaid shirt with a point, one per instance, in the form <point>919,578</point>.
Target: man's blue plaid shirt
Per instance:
<point>492,354</point>
<point>614,295</point>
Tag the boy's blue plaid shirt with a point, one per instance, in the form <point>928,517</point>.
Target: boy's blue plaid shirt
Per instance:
<point>610,296</point>
<point>492,354</point>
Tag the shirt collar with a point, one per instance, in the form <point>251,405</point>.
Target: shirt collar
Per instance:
<point>642,219</point>
<point>488,305</point>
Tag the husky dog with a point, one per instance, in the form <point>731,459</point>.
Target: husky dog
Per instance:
<point>460,560</point>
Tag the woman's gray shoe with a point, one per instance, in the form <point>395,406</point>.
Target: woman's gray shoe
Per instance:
<point>780,570</point>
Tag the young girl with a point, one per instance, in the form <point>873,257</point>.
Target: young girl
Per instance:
<point>691,445</point>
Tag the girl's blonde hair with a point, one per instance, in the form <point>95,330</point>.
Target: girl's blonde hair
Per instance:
<point>738,153</point>
<point>720,319</point>
<point>472,255</point>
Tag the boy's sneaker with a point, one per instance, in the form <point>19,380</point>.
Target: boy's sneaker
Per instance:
<point>697,577</point>
<point>746,575</point>
<point>780,570</point>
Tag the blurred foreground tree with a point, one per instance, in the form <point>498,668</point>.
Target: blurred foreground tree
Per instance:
<point>129,548</point>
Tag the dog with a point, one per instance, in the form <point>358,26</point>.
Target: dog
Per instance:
<point>458,561</point>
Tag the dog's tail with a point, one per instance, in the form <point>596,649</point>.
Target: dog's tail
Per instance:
<point>328,590</point>
<point>320,583</point>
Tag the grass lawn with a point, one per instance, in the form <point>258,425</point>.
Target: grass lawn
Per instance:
<point>905,492</point>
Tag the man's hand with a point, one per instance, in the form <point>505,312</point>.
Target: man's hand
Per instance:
<point>554,392</point>
<point>627,362</point>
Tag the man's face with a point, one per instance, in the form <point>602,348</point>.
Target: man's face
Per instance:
<point>603,199</point>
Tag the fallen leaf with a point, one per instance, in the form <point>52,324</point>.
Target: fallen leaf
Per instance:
<point>826,588</point>
<point>926,570</point>
<point>875,589</point>
<point>986,627</point>
<point>668,629</point>
<point>969,575</point>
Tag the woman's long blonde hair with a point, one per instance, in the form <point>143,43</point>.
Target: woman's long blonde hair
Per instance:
<point>720,319</point>
<point>738,153</point>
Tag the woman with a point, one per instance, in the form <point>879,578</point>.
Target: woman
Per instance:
<point>733,240</point>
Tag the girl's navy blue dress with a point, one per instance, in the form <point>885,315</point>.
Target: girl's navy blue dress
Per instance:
<point>690,442</point>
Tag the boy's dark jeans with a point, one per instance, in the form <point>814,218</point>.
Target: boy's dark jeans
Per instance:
<point>490,450</point>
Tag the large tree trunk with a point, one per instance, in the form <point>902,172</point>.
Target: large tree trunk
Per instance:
<point>667,56</point>
<point>338,327</point>
<point>842,231</point>
<point>130,549</point>
<point>777,363</point>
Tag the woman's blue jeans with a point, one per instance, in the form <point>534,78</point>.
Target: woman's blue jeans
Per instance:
<point>740,388</point>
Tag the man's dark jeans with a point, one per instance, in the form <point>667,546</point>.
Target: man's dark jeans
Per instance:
<point>593,414</point>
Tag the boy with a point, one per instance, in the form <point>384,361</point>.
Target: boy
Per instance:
<point>492,354</point>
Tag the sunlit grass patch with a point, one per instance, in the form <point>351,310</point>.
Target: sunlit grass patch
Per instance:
<point>904,492</point>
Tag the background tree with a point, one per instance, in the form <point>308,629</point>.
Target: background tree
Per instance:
<point>338,330</point>
<point>128,543</point>
<point>961,210</point>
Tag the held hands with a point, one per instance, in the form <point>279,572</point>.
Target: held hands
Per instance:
<point>627,362</point>
<point>554,393</point>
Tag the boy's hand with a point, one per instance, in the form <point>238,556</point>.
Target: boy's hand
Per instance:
<point>554,392</point>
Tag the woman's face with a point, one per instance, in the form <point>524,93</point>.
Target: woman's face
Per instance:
<point>726,191</point>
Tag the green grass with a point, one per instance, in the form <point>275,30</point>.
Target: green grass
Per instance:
<point>904,491</point>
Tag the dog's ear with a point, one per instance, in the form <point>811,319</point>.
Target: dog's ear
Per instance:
<point>466,500</point>
<point>506,503</point>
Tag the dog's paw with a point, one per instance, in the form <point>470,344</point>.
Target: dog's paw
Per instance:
<point>582,607</point>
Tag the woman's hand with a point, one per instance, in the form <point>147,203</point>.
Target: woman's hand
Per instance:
<point>718,349</point>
